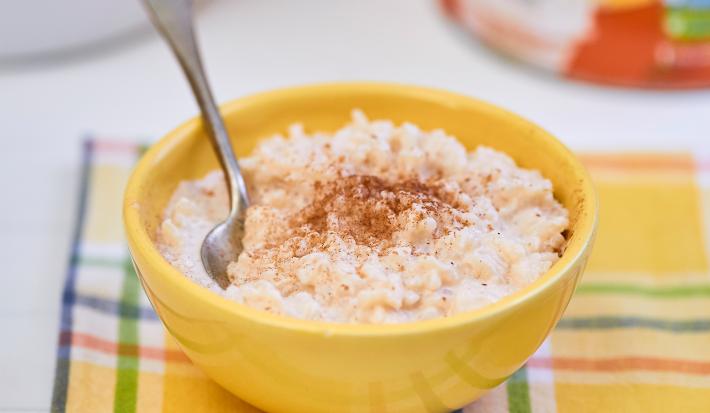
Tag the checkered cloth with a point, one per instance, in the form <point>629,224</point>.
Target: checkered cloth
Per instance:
<point>636,337</point>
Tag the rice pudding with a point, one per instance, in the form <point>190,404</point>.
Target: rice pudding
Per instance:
<point>375,223</point>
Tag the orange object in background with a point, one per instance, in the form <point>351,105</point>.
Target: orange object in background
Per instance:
<point>640,43</point>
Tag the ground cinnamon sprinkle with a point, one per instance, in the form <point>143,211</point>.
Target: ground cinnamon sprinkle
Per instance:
<point>367,209</point>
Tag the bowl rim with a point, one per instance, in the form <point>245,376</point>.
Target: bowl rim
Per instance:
<point>140,241</point>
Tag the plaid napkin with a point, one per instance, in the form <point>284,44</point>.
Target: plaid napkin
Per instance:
<point>636,337</point>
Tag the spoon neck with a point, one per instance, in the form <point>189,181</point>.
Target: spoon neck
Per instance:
<point>238,195</point>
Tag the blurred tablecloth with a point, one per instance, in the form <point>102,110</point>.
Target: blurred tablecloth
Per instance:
<point>635,338</point>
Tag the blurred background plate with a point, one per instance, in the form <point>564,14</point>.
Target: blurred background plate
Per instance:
<point>639,43</point>
<point>34,31</point>
<point>35,28</point>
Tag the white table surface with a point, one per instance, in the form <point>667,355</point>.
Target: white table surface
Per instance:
<point>136,91</point>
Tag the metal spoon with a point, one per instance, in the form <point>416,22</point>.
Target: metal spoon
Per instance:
<point>173,19</point>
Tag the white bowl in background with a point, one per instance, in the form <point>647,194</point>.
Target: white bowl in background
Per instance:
<point>34,27</point>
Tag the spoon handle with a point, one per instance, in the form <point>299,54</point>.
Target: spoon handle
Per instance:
<point>173,18</point>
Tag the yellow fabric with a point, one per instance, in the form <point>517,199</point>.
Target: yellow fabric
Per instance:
<point>635,338</point>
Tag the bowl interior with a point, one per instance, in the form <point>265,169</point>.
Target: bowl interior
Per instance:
<point>186,154</point>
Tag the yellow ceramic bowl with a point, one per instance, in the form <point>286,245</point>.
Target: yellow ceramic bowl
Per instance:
<point>288,365</point>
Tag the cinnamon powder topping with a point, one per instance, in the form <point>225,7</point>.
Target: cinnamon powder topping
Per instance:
<point>369,210</point>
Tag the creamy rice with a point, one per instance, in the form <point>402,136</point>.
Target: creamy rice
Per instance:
<point>376,223</point>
